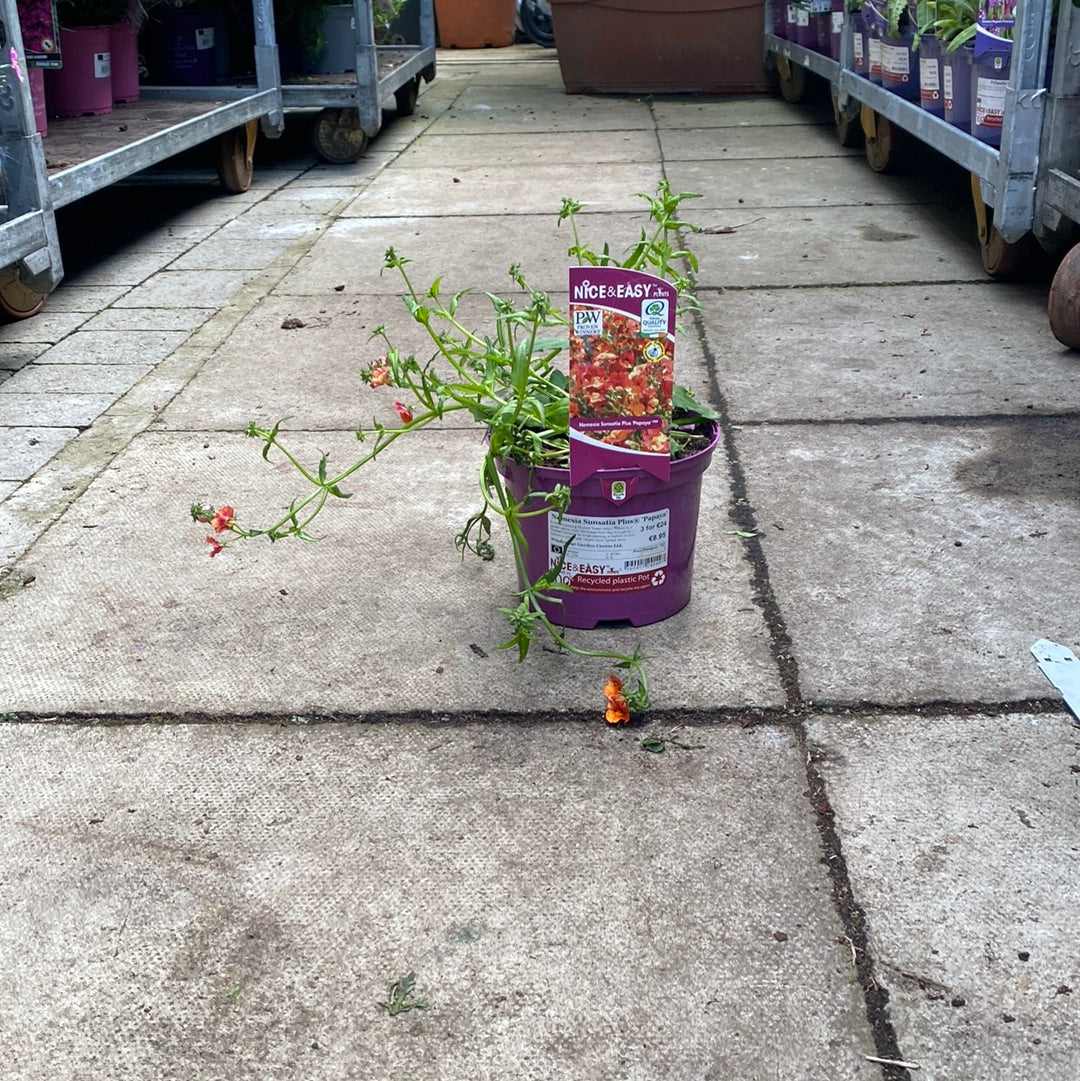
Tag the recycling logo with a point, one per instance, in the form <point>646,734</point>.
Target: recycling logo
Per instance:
<point>658,578</point>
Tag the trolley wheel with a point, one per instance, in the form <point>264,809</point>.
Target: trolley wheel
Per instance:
<point>1064,304</point>
<point>338,137</point>
<point>18,301</point>
<point>848,127</point>
<point>235,157</point>
<point>406,96</point>
<point>884,142</point>
<point>1000,257</point>
<point>792,80</point>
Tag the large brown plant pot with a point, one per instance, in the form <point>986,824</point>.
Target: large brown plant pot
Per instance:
<point>660,46</point>
<point>475,24</point>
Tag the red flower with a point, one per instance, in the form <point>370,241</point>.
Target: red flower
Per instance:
<point>618,712</point>
<point>223,519</point>
<point>215,546</point>
<point>404,412</point>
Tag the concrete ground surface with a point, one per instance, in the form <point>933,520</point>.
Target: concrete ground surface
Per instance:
<point>247,797</point>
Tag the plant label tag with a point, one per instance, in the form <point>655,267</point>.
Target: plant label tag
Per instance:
<point>622,365</point>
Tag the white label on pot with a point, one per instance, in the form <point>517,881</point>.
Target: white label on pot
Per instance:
<point>204,38</point>
<point>875,55</point>
<point>928,78</point>
<point>608,555</point>
<point>990,102</point>
<point>837,22</point>
<point>802,17</point>
<point>857,41</point>
<point>102,65</point>
<point>895,61</point>
<point>946,85</point>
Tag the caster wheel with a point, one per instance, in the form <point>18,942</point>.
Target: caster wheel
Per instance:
<point>792,80</point>
<point>884,142</point>
<point>338,137</point>
<point>405,97</point>
<point>16,300</point>
<point>235,157</point>
<point>1064,304</point>
<point>1001,258</point>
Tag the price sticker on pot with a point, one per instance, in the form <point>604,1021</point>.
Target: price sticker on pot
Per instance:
<point>622,363</point>
<point>619,554</point>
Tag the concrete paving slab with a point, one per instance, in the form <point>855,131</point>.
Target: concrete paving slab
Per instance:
<point>182,287</point>
<point>323,175</point>
<point>798,140</point>
<point>247,895</point>
<point>966,885</point>
<point>309,375</point>
<point>141,319</point>
<point>244,248</point>
<point>503,189</point>
<point>51,410</point>
<point>970,528</point>
<point>674,114</point>
<point>125,268</point>
<point>24,450</point>
<point>47,327</point>
<point>543,148</point>
<point>174,237</point>
<point>75,378</point>
<point>71,297</point>
<point>137,347</point>
<point>6,488</point>
<point>902,352</point>
<point>484,109</point>
<point>796,181</point>
<point>381,616</point>
<point>468,252</point>
<point>16,355</point>
<point>857,245</point>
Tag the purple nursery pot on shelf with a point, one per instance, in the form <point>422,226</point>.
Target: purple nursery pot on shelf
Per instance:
<point>956,86</point>
<point>931,95</point>
<point>633,535</point>
<point>990,62</point>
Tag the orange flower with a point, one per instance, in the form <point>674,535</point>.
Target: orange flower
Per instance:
<point>215,546</point>
<point>404,412</point>
<point>617,710</point>
<point>223,519</point>
<point>380,376</point>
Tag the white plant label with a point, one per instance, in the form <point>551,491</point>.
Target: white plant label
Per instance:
<point>990,102</point>
<point>102,65</point>
<point>610,555</point>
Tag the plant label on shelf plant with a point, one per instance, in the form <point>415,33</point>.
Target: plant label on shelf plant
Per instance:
<point>622,362</point>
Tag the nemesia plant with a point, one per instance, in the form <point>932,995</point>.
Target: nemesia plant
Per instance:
<point>510,381</point>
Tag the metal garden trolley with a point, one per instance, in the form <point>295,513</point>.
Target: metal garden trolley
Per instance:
<point>1027,190</point>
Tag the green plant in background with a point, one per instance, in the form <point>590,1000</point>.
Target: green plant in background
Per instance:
<point>304,19</point>
<point>951,21</point>
<point>506,378</point>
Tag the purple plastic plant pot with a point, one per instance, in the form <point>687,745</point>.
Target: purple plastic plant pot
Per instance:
<point>860,55</point>
<point>633,534</point>
<point>805,28</point>
<point>836,27</point>
<point>124,46</point>
<point>820,25</point>
<point>899,65</point>
<point>83,86</point>
<point>990,61</point>
<point>956,86</point>
<point>931,95</point>
<point>779,19</point>
<point>791,22</point>
<point>875,23</point>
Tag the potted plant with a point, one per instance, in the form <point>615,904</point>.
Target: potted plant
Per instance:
<point>475,24</point>
<point>324,34</point>
<point>661,46</point>
<point>508,379</point>
<point>83,83</point>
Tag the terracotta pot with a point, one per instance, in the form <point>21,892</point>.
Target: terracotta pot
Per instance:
<point>660,46</point>
<point>474,24</point>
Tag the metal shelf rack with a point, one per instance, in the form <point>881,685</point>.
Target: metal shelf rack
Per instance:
<point>1028,185</point>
